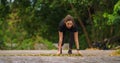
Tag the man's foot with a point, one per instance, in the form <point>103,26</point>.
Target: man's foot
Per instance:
<point>69,51</point>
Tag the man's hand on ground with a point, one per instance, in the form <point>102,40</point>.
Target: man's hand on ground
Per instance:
<point>58,53</point>
<point>78,52</point>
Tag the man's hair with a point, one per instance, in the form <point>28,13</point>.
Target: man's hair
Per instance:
<point>69,18</point>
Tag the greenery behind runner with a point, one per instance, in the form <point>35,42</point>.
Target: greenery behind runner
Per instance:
<point>25,23</point>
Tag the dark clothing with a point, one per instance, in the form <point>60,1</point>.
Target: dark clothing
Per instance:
<point>62,28</point>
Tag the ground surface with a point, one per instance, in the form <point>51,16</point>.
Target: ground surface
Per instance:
<point>49,56</point>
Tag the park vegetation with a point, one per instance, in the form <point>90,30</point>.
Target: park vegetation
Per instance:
<point>25,23</point>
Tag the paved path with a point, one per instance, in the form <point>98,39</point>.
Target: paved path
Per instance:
<point>33,56</point>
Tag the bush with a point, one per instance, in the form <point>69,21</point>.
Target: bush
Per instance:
<point>45,42</point>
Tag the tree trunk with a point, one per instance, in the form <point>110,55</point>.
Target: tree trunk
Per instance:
<point>82,25</point>
<point>90,16</point>
<point>92,25</point>
<point>111,31</point>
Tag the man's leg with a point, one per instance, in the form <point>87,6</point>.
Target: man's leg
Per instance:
<point>71,42</point>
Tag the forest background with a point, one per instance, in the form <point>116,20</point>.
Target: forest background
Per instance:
<point>26,23</point>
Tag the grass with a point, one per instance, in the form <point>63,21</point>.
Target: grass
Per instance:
<point>40,55</point>
<point>116,53</point>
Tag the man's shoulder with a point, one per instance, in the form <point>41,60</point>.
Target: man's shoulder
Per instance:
<point>61,23</point>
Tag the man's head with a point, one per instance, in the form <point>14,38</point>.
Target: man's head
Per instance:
<point>69,21</point>
<point>69,24</point>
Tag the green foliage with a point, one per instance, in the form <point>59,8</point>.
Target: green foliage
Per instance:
<point>83,43</point>
<point>105,26</point>
<point>45,42</point>
<point>23,23</point>
<point>26,44</point>
<point>114,18</point>
<point>117,8</point>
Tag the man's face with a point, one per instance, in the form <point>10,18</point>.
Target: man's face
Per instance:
<point>69,24</point>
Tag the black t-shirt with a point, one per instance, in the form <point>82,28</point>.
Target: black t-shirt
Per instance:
<point>62,27</point>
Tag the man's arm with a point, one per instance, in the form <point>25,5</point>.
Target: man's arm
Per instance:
<point>77,42</point>
<point>60,41</point>
<point>76,39</point>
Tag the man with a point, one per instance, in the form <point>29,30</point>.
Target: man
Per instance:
<point>68,24</point>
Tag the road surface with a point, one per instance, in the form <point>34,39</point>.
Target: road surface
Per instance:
<point>49,56</point>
